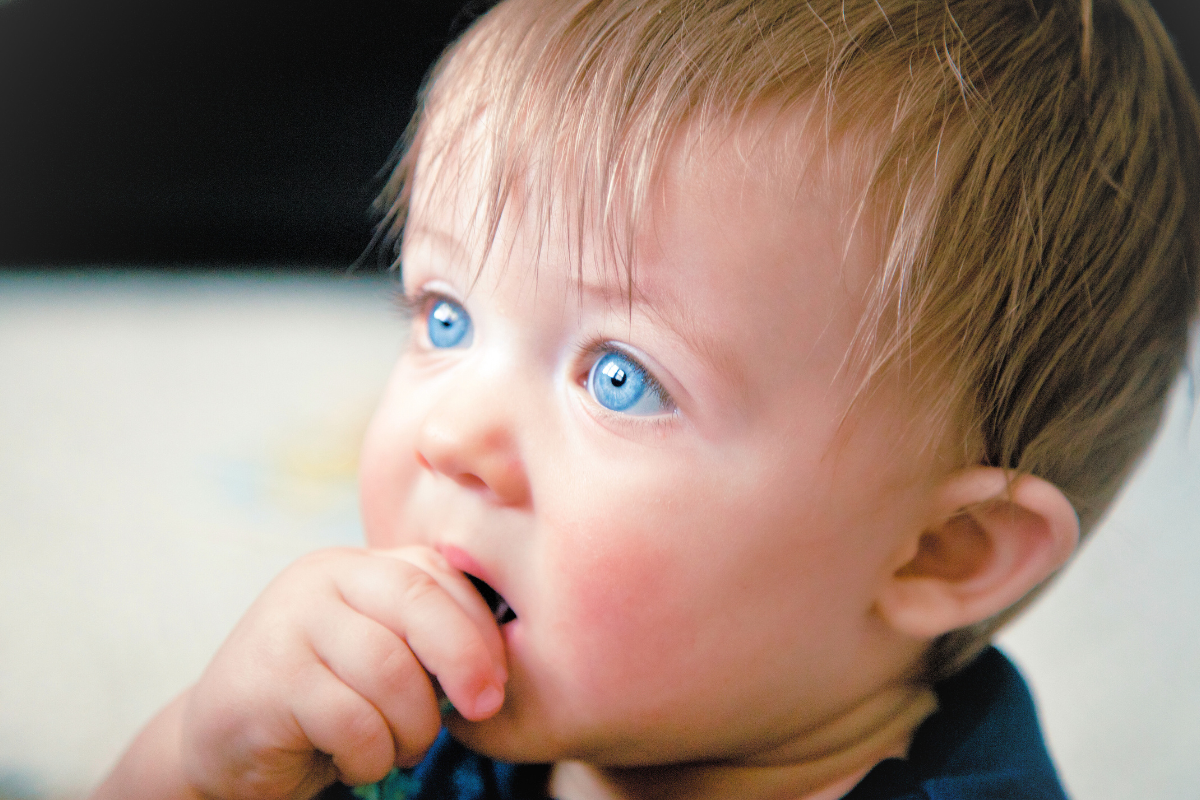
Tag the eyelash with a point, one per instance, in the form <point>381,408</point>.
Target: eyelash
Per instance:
<point>589,354</point>
<point>414,306</point>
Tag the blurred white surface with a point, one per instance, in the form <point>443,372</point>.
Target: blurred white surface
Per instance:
<point>168,443</point>
<point>1113,650</point>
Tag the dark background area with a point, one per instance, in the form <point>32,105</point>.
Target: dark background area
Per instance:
<point>214,133</point>
<point>203,131</point>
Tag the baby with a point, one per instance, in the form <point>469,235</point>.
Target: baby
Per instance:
<point>766,357</point>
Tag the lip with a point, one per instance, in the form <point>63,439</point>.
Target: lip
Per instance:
<point>462,561</point>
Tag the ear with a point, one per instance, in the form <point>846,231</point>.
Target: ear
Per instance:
<point>988,543</point>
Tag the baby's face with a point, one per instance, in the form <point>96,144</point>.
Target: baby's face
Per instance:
<point>665,488</point>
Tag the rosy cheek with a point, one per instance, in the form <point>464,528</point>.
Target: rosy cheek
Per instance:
<point>624,623</point>
<point>610,591</point>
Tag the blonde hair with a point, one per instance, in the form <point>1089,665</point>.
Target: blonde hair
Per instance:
<point>1035,166</point>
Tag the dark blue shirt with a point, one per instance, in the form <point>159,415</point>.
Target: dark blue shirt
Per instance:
<point>983,743</point>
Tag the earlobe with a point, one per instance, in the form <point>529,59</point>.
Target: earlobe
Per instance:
<point>987,544</point>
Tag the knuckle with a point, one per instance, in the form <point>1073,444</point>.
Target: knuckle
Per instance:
<point>368,742</point>
<point>420,588</point>
<point>395,669</point>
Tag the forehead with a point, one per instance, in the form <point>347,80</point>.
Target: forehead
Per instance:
<point>470,183</point>
<point>750,246</point>
<point>760,230</point>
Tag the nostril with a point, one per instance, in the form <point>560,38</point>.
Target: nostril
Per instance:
<point>465,479</point>
<point>469,481</point>
<point>483,461</point>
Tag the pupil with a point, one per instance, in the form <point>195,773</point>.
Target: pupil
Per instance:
<point>614,374</point>
<point>448,325</point>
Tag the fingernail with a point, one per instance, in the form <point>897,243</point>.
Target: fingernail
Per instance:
<point>489,701</point>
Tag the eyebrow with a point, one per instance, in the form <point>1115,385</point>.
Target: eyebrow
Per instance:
<point>711,349</point>
<point>672,312</point>
<point>663,307</point>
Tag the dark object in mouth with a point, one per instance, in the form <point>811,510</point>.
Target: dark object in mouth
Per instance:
<point>501,611</point>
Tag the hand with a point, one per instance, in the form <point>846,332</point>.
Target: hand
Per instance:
<point>333,674</point>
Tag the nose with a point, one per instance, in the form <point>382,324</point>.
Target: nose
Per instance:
<point>470,438</point>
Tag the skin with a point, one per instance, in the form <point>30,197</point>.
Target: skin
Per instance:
<point>738,538</point>
<point>724,597</point>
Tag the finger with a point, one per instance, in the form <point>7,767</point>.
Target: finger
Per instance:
<point>462,648</point>
<point>342,724</point>
<point>379,666</point>
<point>457,585</point>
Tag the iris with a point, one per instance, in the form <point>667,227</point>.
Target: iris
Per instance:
<point>619,383</point>
<point>449,324</point>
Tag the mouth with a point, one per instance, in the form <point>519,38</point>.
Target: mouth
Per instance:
<point>501,611</point>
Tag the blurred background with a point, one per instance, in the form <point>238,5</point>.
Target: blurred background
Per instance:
<point>187,365</point>
<point>203,132</point>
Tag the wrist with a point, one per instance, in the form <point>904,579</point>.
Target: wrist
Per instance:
<point>152,767</point>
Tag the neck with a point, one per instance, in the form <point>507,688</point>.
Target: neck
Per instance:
<point>822,764</point>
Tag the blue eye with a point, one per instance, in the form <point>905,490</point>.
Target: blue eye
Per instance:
<point>619,383</point>
<point>449,324</point>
